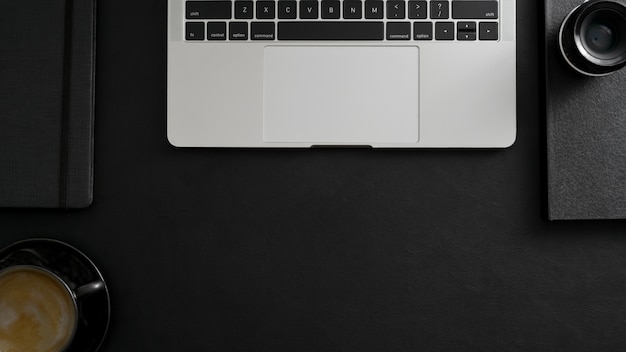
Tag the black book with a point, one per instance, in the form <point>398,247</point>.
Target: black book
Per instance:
<point>586,133</point>
<point>47,52</point>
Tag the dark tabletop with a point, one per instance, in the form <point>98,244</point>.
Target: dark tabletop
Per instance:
<point>327,250</point>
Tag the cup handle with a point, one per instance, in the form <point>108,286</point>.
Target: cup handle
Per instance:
<point>89,289</point>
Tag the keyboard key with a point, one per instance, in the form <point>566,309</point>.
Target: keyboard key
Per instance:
<point>373,9</point>
<point>423,31</point>
<point>466,36</point>
<point>265,10</point>
<point>243,10</point>
<point>287,9</point>
<point>444,30</point>
<point>395,9</point>
<point>319,30</point>
<point>488,31</point>
<point>418,10</point>
<point>194,30</point>
<point>216,31</point>
<point>308,9</point>
<point>466,30</point>
<point>439,9</point>
<point>466,26</point>
<point>238,30</point>
<point>398,30</point>
<point>474,9</point>
<point>352,10</point>
<point>330,9</point>
<point>208,10</point>
<point>262,31</point>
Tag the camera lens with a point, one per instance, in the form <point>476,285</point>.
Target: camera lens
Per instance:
<point>599,38</point>
<point>593,37</point>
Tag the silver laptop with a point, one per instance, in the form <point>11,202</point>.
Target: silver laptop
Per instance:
<point>375,73</point>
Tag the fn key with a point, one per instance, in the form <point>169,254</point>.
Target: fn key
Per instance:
<point>194,30</point>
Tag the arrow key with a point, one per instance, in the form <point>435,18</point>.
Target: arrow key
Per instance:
<point>488,31</point>
<point>444,31</point>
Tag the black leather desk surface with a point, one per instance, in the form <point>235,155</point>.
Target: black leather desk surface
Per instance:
<point>327,250</point>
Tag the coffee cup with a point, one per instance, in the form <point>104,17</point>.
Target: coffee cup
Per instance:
<point>39,311</point>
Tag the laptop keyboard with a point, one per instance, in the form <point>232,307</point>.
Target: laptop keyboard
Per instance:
<point>346,20</point>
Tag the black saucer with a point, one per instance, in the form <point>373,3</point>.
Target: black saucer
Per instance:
<point>76,269</point>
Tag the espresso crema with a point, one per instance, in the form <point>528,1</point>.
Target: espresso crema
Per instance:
<point>37,313</point>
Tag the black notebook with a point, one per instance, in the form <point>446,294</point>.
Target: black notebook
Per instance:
<point>46,103</point>
<point>586,134</point>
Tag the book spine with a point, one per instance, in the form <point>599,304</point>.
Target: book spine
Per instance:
<point>65,114</point>
<point>77,140</point>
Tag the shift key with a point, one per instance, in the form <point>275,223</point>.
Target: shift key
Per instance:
<point>474,9</point>
<point>208,10</point>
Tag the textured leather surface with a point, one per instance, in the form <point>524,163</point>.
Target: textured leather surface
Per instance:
<point>586,134</point>
<point>37,167</point>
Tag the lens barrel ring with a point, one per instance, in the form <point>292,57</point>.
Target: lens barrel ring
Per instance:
<point>606,17</point>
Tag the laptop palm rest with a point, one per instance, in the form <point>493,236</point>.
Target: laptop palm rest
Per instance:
<point>341,95</point>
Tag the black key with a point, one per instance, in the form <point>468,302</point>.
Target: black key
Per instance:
<point>466,30</point>
<point>488,31</point>
<point>330,9</point>
<point>243,10</point>
<point>194,30</point>
<point>444,30</point>
<point>287,9</point>
<point>308,9</point>
<point>418,9</point>
<point>466,26</point>
<point>352,10</point>
<point>423,31</point>
<point>238,30</point>
<point>318,30</point>
<point>208,10</point>
<point>398,30</point>
<point>466,35</point>
<point>373,9</point>
<point>265,10</point>
<point>474,9</point>
<point>262,31</point>
<point>216,31</point>
<point>439,9</point>
<point>395,9</point>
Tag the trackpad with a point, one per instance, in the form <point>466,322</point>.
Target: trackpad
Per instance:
<point>341,95</point>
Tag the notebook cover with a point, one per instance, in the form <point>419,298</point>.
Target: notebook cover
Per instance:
<point>46,103</point>
<point>586,133</point>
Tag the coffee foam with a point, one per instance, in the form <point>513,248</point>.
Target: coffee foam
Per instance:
<point>37,313</point>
